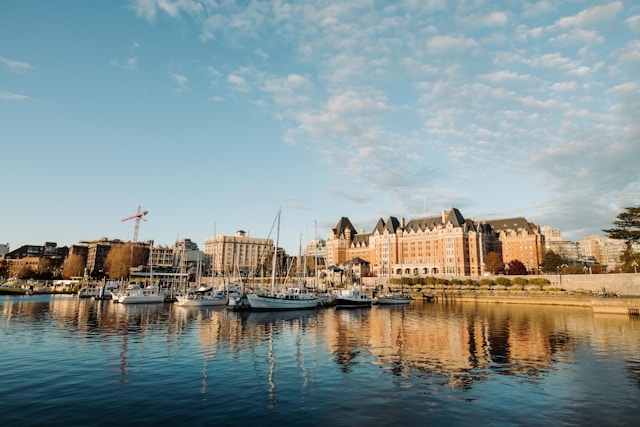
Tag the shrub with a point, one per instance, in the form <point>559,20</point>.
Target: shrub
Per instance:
<point>539,281</point>
<point>503,281</point>
<point>521,281</point>
<point>486,283</point>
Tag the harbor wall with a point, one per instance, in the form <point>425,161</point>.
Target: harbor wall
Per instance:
<point>623,284</point>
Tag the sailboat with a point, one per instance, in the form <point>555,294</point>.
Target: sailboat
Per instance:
<point>290,298</point>
<point>135,294</point>
<point>201,297</point>
<point>393,297</point>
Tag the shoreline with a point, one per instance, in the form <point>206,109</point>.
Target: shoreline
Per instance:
<point>605,304</point>
<point>629,305</point>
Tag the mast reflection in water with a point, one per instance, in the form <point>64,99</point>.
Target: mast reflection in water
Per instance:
<point>69,361</point>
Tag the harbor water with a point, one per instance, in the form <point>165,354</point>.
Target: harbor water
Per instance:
<point>69,361</point>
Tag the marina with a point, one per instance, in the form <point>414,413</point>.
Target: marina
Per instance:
<point>79,361</point>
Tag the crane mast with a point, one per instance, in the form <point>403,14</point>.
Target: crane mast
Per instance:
<point>137,216</point>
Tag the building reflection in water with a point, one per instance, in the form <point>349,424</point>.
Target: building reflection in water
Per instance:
<point>458,344</point>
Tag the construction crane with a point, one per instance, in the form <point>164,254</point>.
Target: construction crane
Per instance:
<point>138,216</point>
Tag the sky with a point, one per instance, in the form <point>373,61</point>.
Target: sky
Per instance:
<point>212,115</point>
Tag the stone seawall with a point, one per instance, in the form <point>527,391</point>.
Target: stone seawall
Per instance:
<point>620,305</point>
<point>623,284</point>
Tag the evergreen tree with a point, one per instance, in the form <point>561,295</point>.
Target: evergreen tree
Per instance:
<point>627,227</point>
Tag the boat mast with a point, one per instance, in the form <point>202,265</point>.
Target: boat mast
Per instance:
<point>275,255</point>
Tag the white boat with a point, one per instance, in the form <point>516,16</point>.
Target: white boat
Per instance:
<point>292,298</point>
<point>352,298</point>
<point>98,292</point>
<point>134,294</point>
<point>394,298</point>
<point>202,298</point>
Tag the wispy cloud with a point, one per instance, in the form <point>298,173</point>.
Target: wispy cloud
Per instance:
<point>18,67</point>
<point>131,62</point>
<point>432,85</point>
<point>9,96</point>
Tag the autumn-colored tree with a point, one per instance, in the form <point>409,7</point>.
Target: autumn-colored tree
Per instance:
<point>121,258</point>
<point>493,262</point>
<point>516,268</point>
<point>73,266</point>
<point>22,270</point>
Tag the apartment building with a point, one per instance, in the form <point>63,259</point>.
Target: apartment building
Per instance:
<point>240,253</point>
<point>447,244</point>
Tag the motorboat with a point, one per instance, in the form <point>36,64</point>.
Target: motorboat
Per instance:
<point>134,294</point>
<point>202,297</point>
<point>291,298</point>
<point>394,298</point>
<point>352,298</point>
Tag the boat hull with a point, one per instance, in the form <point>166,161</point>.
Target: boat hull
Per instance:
<point>394,299</point>
<point>263,302</point>
<point>200,302</point>
<point>342,302</point>
<point>140,299</point>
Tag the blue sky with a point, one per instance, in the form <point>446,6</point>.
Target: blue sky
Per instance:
<point>211,115</point>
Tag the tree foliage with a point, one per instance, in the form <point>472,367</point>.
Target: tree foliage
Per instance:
<point>552,261</point>
<point>516,268</point>
<point>493,262</point>
<point>627,227</point>
<point>121,258</point>
<point>73,266</point>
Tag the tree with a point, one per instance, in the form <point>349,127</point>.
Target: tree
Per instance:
<point>516,268</point>
<point>22,270</point>
<point>73,266</point>
<point>493,262</point>
<point>121,258</point>
<point>552,261</point>
<point>627,227</point>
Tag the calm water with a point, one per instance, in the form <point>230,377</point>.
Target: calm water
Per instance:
<point>65,361</point>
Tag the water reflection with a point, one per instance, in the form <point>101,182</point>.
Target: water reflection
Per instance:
<point>454,345</point>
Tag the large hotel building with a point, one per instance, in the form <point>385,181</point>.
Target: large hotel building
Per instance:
<point>448,244</point>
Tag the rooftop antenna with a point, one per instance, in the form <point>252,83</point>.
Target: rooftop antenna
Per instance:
<point>425,206</point>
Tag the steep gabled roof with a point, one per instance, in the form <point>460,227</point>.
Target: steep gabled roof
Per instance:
<point>517,223</point>
<point>421,224</point>
<point>454,217</point>
<point>343,225</point>
<point>390,226</point>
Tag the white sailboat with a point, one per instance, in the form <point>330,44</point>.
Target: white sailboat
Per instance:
<point>134,294</point>
<point>291,298</point>
<point>392,297</point>
<point>201,297</point>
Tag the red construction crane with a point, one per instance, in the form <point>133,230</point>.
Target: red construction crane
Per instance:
<point>138,216</point>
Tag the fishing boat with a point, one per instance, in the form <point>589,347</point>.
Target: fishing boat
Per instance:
<point>291,298</point>
<point>352,298</point>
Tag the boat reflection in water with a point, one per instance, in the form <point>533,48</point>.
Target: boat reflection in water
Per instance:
<point>441,362</point>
